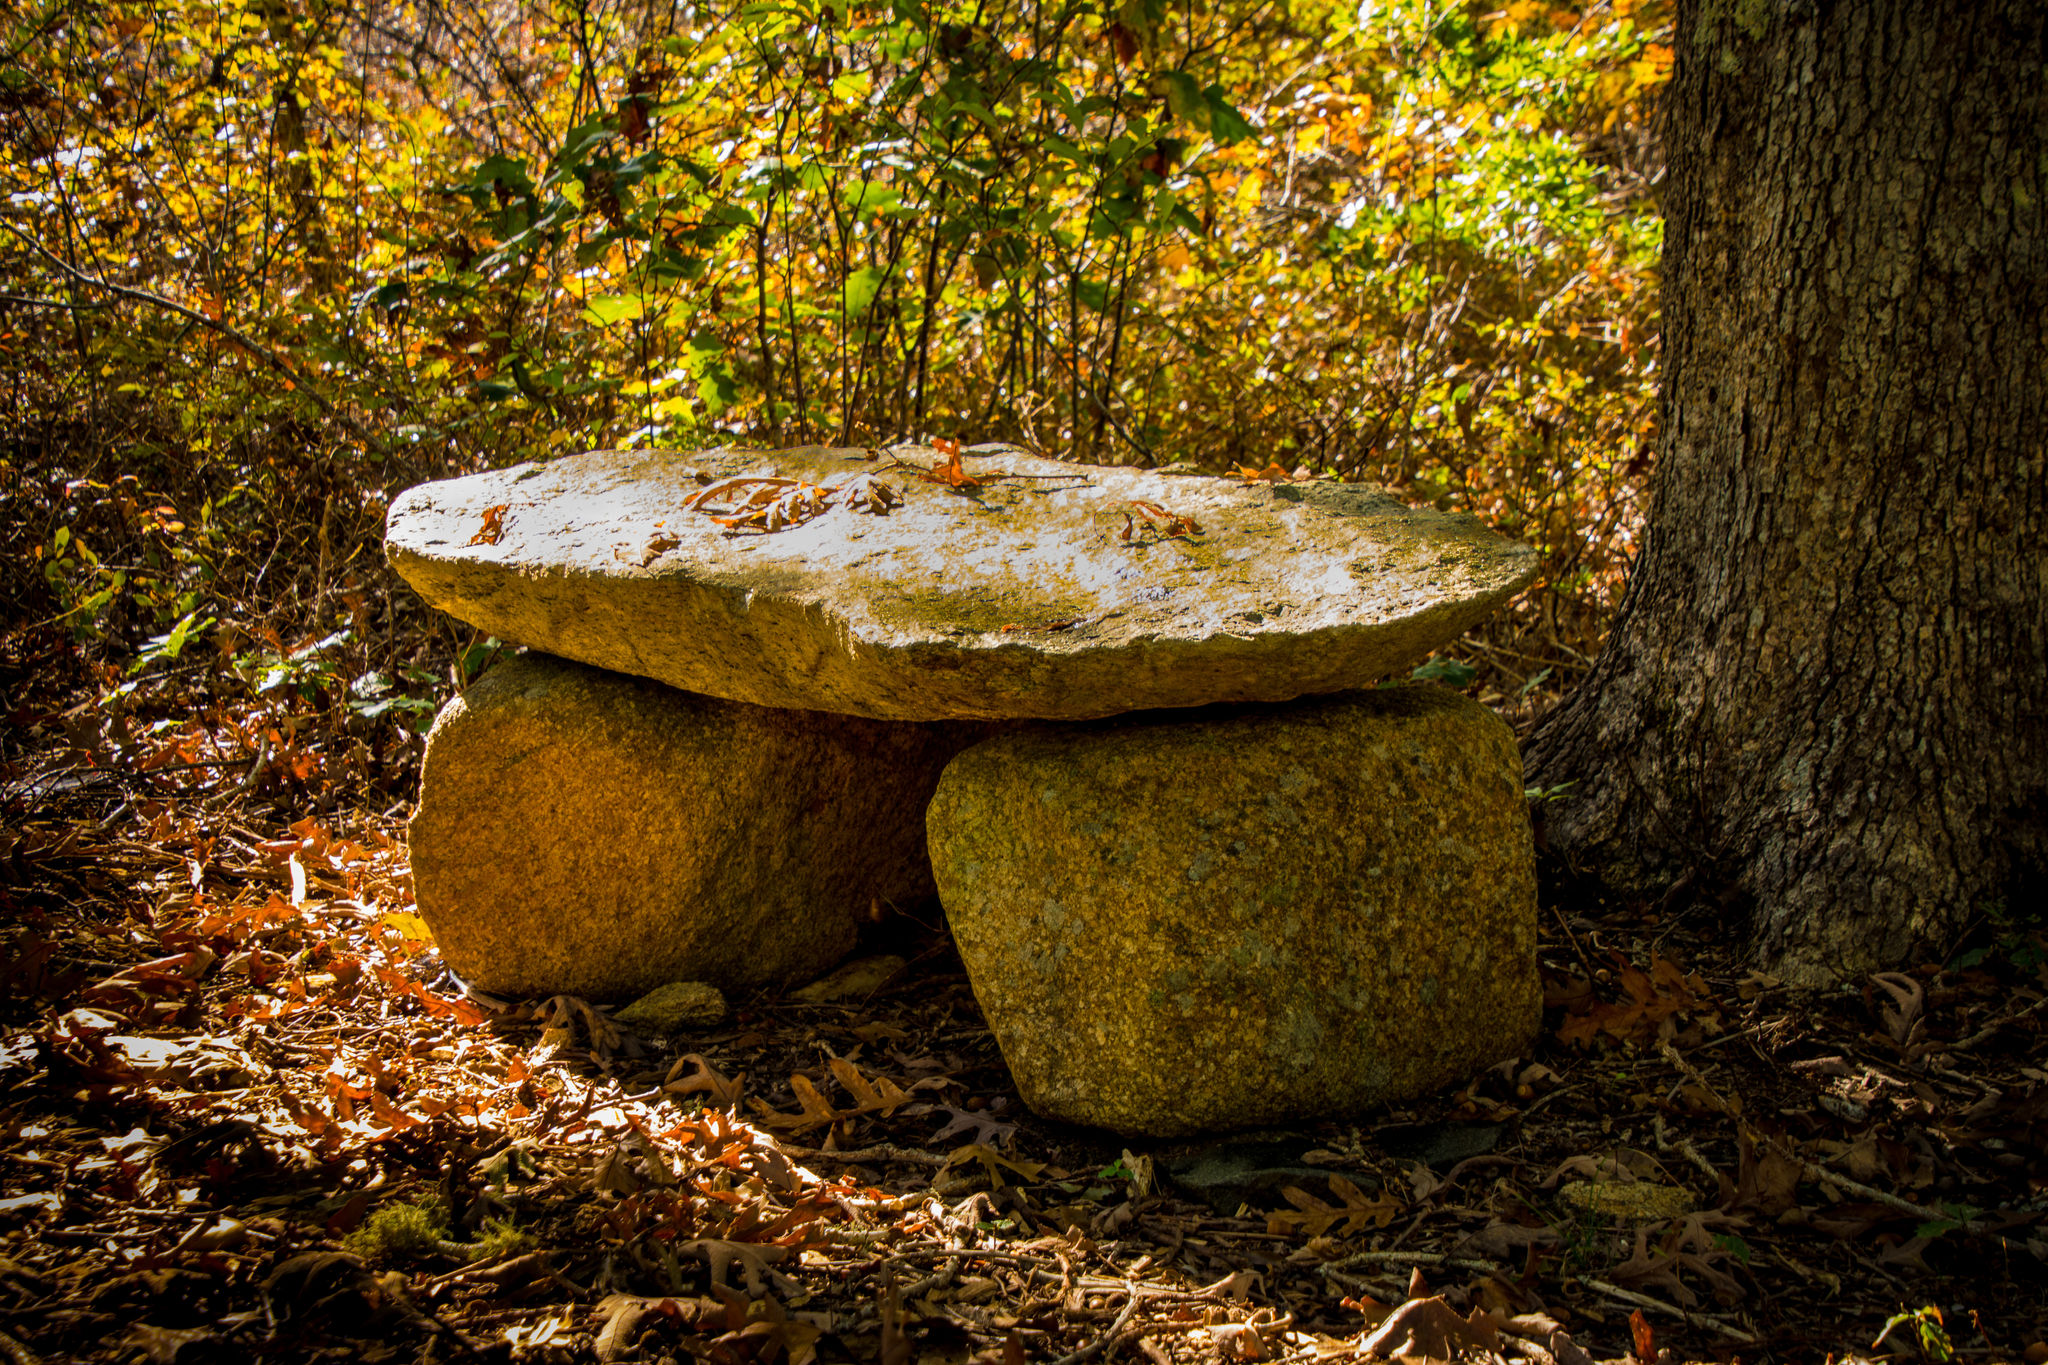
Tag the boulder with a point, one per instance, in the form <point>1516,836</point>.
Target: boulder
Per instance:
<point>1249,916</point>
<point>899,588</point>
<point>586,833</point>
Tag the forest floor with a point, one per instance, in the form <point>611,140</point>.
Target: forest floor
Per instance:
<point>246,1115</point>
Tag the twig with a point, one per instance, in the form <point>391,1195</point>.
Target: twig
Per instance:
<point>1990,1030</point>
<point>1352,1284</point>
<point>1572,939</point>
<point>881,1151</point>
<point>1629,1296</point>
<point>1095,1346</point>
<point>1813,1170</point>
<point>18,1351</point>
<point>1411,1258</point>
<point>229,330</point>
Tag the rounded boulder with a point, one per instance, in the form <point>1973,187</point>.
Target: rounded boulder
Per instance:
<point>1248,915</point>
<point>587,833</point>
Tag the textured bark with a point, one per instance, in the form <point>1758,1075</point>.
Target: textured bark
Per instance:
<point>1826,696</point>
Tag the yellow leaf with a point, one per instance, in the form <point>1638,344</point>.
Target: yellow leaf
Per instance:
<point>409,927</point>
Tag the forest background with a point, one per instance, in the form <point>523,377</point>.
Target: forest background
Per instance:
<point>266,263</point>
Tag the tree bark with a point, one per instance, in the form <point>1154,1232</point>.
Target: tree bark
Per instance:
<point>1825,698</point>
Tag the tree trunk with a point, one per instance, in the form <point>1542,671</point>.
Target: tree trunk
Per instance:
<point>1825,699</point>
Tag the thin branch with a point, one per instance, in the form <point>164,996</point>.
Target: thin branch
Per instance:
<point>1629,1296</point>
<point>226,329</point>
<point>61,304</point>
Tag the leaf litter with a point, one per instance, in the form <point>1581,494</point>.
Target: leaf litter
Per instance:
<point>248,1115</point>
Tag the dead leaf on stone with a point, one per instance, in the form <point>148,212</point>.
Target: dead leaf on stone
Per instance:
<point>1160,522</point>
<point>869,494</point>
<point>951,474</point>
<point>493,529</point>
<point>657,545</point>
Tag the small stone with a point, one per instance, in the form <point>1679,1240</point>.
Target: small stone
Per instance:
<point>1019,596</point>
<point>584,833</point>
<point>1252,916</point>
<point>857,980</point>
<point>675,1008</point>
<point>1230,1174</point>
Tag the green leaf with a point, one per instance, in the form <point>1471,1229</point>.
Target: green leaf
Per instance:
<point>861,287</point>
<point>1183,97</point>
<point>1449,672</point>
<point>608,309</point>
<point>1225,123</point>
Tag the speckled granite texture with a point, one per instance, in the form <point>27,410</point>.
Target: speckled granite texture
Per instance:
<point>1246,915</point>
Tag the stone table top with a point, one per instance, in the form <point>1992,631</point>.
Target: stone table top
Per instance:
<point>996,586</point>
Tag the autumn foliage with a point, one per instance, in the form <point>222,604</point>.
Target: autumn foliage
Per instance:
<point>262,265</point>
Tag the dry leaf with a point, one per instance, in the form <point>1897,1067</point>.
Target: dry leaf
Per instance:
<point>493,529</point>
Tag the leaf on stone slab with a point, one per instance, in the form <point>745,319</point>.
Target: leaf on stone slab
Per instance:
<point>867,493</point>
<point>951,474</point>
<point>493,529</point>
<point>657,545</point>
<point>1160,522</point>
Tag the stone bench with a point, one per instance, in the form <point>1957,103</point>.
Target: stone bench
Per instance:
<point>1191,887</point>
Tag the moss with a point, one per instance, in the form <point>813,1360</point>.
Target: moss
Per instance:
<point>1753,17</point>
<point>500,1238</point>
<point>420,1228</point>
<point>401,1230</point>
<point>980,610</point>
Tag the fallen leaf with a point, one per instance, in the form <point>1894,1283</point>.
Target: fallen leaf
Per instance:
<point>493,529</point>
<point>1430,1328</point>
